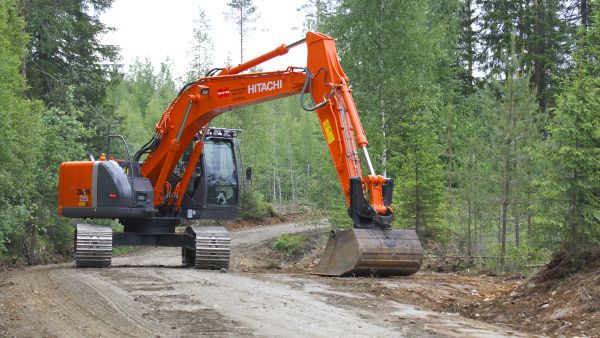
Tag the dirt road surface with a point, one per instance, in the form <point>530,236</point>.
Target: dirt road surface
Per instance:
<point>146,293</point>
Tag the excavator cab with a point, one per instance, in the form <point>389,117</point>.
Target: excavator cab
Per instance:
<point>215,187</point>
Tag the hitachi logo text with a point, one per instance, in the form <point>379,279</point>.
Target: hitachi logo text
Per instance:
<point>264,86</point>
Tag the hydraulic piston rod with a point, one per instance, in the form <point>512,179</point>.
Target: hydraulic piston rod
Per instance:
<point>281,50</point>
<point>371,171</point>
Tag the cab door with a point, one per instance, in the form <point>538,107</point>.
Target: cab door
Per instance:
<point>222,188</point>
<point>214,191</point>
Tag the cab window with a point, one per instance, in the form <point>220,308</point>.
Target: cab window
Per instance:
<point>221,173</point>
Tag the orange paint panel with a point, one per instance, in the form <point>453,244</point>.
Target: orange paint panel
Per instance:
<point>75,185</point>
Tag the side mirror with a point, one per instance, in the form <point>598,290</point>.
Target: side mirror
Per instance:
<point>249,174</point>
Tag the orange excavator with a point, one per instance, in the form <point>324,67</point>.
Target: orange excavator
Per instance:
<point>192,171</point>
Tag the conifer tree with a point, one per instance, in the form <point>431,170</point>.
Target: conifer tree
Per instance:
<point>419,180</point>
<point>574,180</point>
<point>66,59</point>
<point>202,49</point>
<point>243,13</point>
<point>510,117</point>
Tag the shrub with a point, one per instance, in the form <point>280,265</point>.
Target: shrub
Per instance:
<point>60,234</point>
<point>290,244</point>
<point>254,206</point>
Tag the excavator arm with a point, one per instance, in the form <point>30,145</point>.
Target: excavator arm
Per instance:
<point>323,79</point>
<point>343,132</point>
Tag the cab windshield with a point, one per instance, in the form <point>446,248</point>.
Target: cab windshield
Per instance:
<point>221,173</point>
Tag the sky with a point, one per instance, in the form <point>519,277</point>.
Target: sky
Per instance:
<point>164,29</point>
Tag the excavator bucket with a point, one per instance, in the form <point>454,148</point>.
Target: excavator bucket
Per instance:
<point>365,252</point>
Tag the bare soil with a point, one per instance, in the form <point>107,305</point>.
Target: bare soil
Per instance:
<point>147,293</point>
<point>280,216</point>
<point>561,299</point>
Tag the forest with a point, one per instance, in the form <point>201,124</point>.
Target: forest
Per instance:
<point>486,114</point>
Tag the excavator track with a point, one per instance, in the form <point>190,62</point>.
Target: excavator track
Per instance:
<point>213,247</point>
<point>93,246</point>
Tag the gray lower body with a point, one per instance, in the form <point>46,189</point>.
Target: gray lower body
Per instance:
<point>202,247</point>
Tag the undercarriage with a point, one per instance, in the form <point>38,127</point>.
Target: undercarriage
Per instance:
<point>201,247</point>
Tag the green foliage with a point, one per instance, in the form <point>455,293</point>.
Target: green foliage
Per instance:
<point>243,13</point>
<point>35,140</point>
<point>66,63</point>
<point>202,51</point>
<point>60,235</point>
<point>11,231</point>
<point>337,212</point>
<point>17,120</point>
<point>12,43</point>
<point>512,121</point>
<point>420,187</point>
<point>254,206</point>
<point>139,101</point>
<point>290,244</point>
<point>572,186</point>
<point>59,146</point>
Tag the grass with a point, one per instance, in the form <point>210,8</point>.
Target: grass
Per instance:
<point>290,244</point>
<point>121,250</point>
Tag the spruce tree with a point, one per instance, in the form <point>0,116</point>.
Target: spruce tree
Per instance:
<point>66,58</point>
<point>419,180</point>
<point>574,182</point>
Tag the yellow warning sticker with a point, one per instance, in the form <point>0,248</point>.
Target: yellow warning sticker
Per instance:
<point>328,131</point>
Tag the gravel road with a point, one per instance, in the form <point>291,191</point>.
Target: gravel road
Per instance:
<point>146,293</point>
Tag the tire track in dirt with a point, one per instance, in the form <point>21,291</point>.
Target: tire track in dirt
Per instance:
<point>168,303</point>
<point>140,297</point>
<point>45,303</point>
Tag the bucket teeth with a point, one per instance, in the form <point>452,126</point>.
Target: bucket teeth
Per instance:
<point>213,247</point>
<point>93,246</point>
<point>376,252</point>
